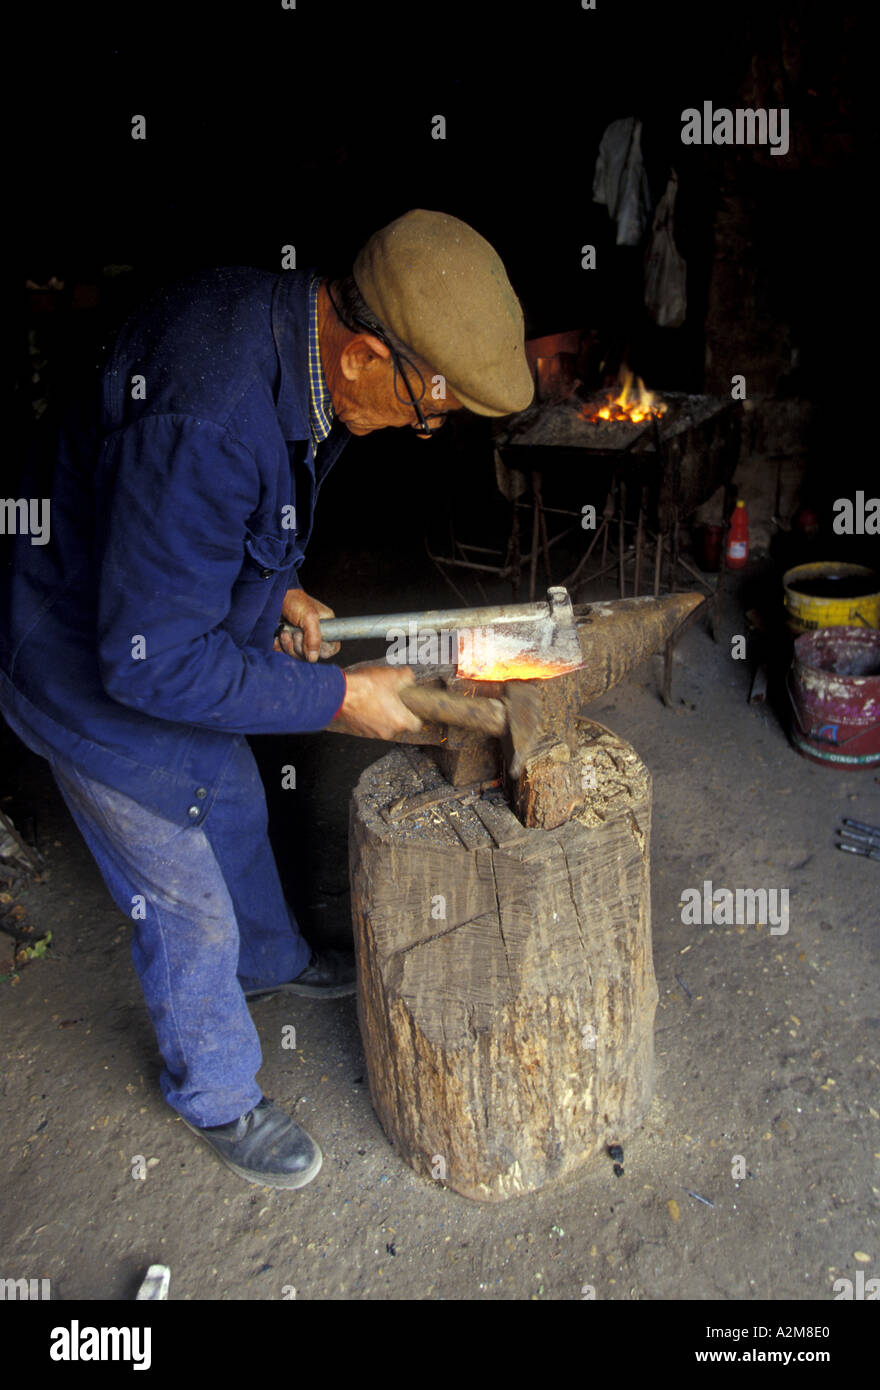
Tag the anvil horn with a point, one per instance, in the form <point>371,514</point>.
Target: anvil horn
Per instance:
<point>617,636</point>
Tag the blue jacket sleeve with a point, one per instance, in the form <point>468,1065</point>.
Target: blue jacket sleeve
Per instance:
<point>179,493</point>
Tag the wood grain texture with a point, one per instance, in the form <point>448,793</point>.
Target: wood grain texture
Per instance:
<point>506,990</point>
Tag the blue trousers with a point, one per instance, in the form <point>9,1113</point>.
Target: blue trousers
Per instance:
<point>209,919</point>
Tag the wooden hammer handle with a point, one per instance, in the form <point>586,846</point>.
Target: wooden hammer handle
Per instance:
<point>435,706</point>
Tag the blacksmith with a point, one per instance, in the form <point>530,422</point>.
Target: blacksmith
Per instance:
<point>138,647</point>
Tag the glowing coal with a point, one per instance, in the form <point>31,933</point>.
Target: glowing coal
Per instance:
<point>630,405</point>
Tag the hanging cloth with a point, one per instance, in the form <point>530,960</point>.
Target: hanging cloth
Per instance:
<point>620,181</point>
<point>665,269</point>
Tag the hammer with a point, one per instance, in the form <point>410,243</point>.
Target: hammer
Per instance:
<point>517,713</point>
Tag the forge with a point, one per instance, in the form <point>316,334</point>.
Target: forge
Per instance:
<point>502,924</point>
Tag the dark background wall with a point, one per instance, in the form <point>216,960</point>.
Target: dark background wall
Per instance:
<point>312,126</point>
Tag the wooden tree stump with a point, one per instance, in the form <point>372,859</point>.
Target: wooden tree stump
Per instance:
<point>506,989</point>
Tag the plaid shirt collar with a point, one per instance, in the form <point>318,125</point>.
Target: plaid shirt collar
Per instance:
<point>320,403</point>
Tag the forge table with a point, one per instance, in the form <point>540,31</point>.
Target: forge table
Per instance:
<point>672,464</point>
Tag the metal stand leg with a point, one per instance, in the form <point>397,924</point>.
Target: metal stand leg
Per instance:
<point>621,504</point>
<point>718,601</point>
<point>669,651</point>
<point>640,533</point>
<point>573,580</point>
<point>715,615</point>
<point>533,567</point>
<point>658,562</point>
<point>607,518</point>
<point>516,567</point>
<point>545,544</point>
<point>666,692</point>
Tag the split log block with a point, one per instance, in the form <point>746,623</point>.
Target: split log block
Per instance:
<point>506,989</point>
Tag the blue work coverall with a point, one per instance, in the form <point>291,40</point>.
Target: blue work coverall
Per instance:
<point>136,652</point>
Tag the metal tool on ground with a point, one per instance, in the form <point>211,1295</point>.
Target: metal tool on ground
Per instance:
<point>154,1288</point>
<point>857,849</point>
<point>859,838</point>
<point>860,825</point>
<point>873,841</point>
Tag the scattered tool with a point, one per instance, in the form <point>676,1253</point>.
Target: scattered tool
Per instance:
<point>873,841</point>
<point>154,1288</point>
<point>865,853</point>
<point>860,825</point>
<point>705,1200</point>
<point>866,838</point>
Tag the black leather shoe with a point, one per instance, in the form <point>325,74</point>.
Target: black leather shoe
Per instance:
<point>329,975</point>
<point>265,1146</point>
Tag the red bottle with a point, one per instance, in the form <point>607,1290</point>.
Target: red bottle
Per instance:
<point>738,538</point>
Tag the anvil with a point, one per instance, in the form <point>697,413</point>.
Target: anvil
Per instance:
<point>612,638</point>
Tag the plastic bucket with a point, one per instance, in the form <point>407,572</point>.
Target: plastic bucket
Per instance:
<point>811,601</point>
<point>834,686</point>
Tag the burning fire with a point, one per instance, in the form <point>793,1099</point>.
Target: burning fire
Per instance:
<point>631,406</point>
<point>510,671</point>
<point>499,654</point>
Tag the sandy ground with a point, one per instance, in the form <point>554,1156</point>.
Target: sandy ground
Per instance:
<point>767,1048</point>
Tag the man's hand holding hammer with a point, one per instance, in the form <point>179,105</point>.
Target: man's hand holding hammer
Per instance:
<point>371,707</point>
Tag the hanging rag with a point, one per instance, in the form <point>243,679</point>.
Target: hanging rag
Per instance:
<point>665,268</point>
<point>620,180</point>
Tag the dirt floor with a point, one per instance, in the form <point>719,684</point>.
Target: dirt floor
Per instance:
<point>766,1055</point>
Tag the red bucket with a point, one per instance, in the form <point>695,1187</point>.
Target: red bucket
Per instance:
<point>834,685</point>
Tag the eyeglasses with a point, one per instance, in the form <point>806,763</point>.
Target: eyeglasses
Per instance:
<point>422,428</point>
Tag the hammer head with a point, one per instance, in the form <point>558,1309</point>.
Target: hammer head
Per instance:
<point>524,722</point>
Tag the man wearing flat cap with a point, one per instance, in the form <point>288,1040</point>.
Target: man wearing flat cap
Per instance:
<point>138,647</point>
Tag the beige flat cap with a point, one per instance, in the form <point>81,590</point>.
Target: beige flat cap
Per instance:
<point>443,290</point>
